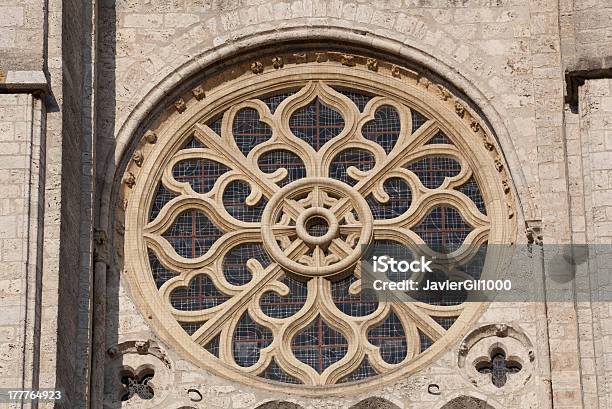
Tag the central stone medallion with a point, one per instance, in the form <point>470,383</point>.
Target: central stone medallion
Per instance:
<point>316,227</point>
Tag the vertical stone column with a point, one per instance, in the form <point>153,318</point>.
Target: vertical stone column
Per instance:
<point>595,112</point>
<point>584,311</point>
<point>554,199</point>
<point>21,209</point>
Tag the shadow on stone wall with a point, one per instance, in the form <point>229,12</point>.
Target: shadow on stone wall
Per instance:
<point>279,405</point>
<point>374,403</point>
<point>467,402</point>
<point>106,294</point>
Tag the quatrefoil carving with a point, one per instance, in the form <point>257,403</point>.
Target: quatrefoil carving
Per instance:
<point>137,383</point>
<point>497,358</point>
<point>498,365</point>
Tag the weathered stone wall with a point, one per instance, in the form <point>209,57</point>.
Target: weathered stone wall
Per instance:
<point>585,31</point>
<point>22,35</point>
<point>20,224</point>
<point>595,122</point>
<point>46,291</point>
<point>509,51</point>
<point>509,56</point>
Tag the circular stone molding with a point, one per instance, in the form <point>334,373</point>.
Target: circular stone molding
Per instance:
<point>345,213</point>
<point>284,172</point>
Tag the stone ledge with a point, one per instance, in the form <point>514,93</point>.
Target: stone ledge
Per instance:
<point>24,81</point>
<point>575,79</point>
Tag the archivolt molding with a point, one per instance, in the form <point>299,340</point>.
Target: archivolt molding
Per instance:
<point>315,259</point>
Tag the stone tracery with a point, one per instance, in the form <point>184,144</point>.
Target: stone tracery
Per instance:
<point>291,188</point>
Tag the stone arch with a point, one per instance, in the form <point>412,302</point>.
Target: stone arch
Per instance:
<point>467,402</point>
<point>374,403</point>
<point>277,404</point>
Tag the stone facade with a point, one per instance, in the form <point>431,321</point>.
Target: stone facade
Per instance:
<point>81,82</point>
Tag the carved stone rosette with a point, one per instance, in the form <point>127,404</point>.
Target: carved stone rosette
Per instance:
<point>317,255</point>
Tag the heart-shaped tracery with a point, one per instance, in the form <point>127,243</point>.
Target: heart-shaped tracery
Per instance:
<point>257,227</point>
<point>316,123</point>
<point>384,129</point>
<point>249,131</point>
<point>319,345</point>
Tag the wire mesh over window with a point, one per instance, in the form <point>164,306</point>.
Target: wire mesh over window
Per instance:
<point>391,339</point>
<point>249,131</point>
<point>215,124</point>
<point>498,370</point>
<point>319,345</point>
<point>499,367</point>
<point>399,201</point>
<point>425,341</point>
<point>443,229</point>
<point>201,174</point>
<point>271,161</point>
<point>384,129</point>
<point>213,345</point>
<point>201,294</point>
<point>359,158</point>
<point>363,371</point>
<point>159,272</point>
<point>193,143</point>
<point>475,265</point>
<point>162,197</point>
<point>439,138</point>
<point>273,101</point>
<point>350,304</point>
<point>275,373</point>
<point>192,234</point>
<point>249,338</point>
<point>432,171</point>
<point>359,98</point>
<point>445,322</point>
<point>234,263</point>
<point>449,297</point>
<point>191,327</point>
<point>391,249</point>
<point>276,306</point>
<point>316,123</point>
<point>317,226</point>
<point>418,119</point>
<point>472,190</point>
<point>137,385</point>
<point>234,200</point>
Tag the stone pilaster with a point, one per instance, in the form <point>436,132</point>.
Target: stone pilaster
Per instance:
<point>595,113</point>
<point>21,207</point>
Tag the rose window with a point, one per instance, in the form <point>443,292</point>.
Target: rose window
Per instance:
<point>256,218</point>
